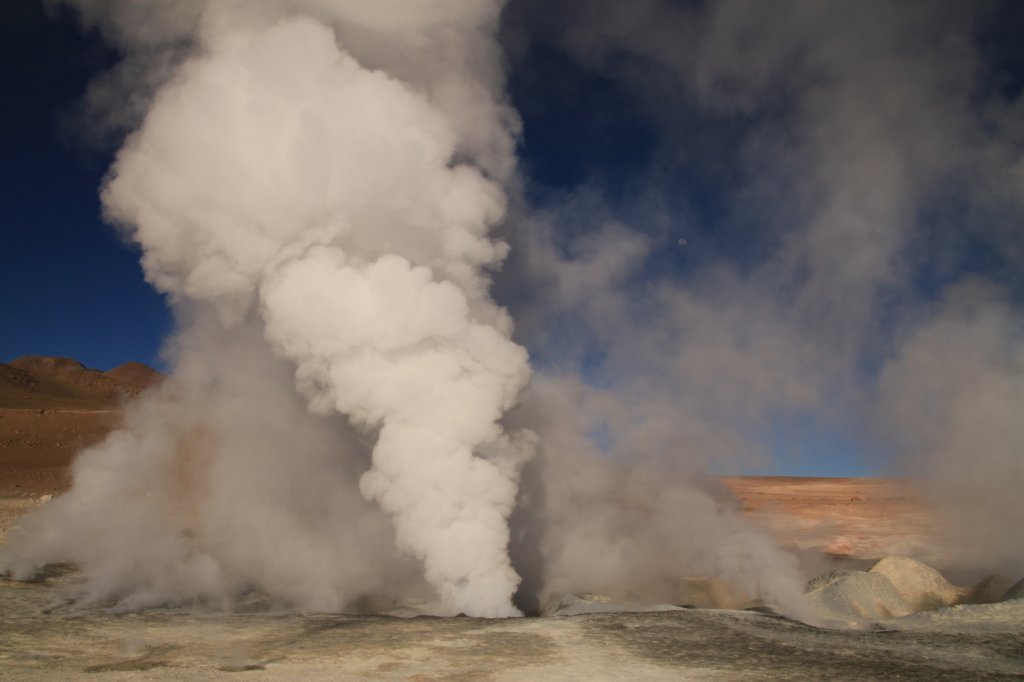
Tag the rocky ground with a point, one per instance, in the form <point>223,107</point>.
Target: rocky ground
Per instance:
<point>45,639</point>
<point>894,619</point>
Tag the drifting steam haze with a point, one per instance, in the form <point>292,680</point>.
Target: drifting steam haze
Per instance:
<point>823,236</point>
<point>325,191</point>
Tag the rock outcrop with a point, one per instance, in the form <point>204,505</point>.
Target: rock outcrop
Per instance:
<point>990,590</point>
<point>920,585</point>
<point>1015,592</point>
<point>857,596</point>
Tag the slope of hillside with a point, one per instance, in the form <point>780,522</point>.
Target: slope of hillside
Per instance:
<point>135,374</point>
<point>38,382</point>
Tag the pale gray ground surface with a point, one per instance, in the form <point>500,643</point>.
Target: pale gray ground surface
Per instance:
<point>42,638</point>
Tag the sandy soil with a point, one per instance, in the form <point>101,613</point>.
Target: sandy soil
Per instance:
<point>37,446</point>
<point>857,518</point>
<point>50,409</point>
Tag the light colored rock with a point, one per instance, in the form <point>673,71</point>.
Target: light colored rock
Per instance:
<point>827,578</point>
<point>922,586</point>
<point>857,596</point>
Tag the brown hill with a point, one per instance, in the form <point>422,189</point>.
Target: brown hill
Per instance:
<point>34,381</point>
<point>50,409</point>
<point>135,374</point>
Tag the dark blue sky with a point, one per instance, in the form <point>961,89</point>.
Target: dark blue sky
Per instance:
<point>73,287</point>
<point>70,285</point>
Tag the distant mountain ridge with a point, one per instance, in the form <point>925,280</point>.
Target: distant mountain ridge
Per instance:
<point>37,381</point>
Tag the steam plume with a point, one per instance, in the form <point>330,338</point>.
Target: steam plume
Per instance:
<point>315,184</point>
<point>328,190</point>
<point>338,199</point>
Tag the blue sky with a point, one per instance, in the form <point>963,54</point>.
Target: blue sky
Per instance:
<point>72,286</point>
<point>714,173</point>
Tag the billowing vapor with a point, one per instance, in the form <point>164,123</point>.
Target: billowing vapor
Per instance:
<point>327,190</point>
<point>634,520</point>
<point>222,488</point>
<point>335,200</point>
<point>274,166</point>
<point>950,402</point>
<point>853,248</point>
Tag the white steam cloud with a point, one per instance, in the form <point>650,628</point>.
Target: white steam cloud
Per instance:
<point>338,200</point>
<point>275,165</point>
<point>221,487</point>
<point>316,185</point>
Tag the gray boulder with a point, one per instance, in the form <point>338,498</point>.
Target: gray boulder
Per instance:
<point>990,590</point>
<point>1015,592</point>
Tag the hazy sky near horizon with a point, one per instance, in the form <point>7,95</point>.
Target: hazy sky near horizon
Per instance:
<point>667,150</point>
